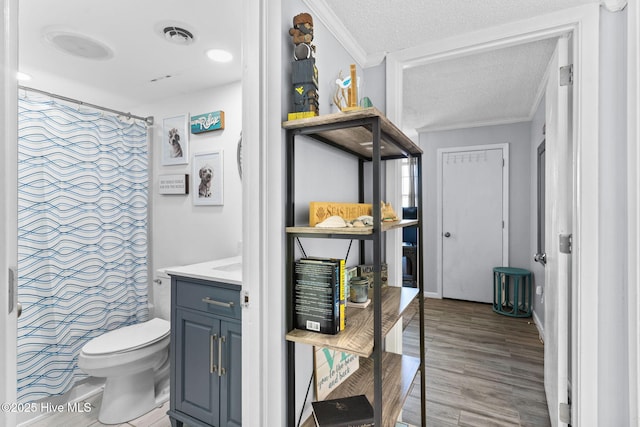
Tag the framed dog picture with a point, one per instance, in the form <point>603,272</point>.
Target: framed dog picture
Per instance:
<point>175,141</point>
<point>207,178</point>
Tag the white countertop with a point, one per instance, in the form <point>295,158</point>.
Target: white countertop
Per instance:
<point>226,270</point>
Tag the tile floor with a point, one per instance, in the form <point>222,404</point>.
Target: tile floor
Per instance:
<point>156,418</point>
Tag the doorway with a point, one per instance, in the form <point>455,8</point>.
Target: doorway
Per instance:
<point>473,196</point>
<point>582,26</point>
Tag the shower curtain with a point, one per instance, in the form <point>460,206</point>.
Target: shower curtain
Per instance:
<point>82,236</point>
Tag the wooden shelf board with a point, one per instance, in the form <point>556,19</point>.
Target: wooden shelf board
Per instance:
<point>392,225</point>
<point>358,138</point>
<point>398,373</point>
<point>357,338</point>
<point>357,231</point>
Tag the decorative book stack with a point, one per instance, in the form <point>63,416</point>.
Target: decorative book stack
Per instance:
<point>353,411</point>
<point>319,295</point>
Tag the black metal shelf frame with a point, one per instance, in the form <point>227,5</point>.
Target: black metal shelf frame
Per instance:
<point>374,125</point>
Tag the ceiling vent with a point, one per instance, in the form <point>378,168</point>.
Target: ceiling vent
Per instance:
<point>178,35</point>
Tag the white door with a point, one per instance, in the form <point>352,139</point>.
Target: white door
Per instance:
<point>558,201</point>
<point>472,235</point>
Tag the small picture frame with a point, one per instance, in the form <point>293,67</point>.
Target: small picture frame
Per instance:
<point>208,173</point>
<point>175,140</point>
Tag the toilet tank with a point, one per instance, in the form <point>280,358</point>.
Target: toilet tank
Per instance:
<point>160,304</point>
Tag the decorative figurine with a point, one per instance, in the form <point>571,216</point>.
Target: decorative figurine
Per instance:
<point>387,213</point>
<point>347,91</point>
<point>304,75</point>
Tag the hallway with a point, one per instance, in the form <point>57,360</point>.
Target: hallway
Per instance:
<point>483,369</point>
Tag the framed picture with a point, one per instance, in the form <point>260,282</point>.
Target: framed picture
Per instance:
<point>208,188</point>
<point>175,141</point>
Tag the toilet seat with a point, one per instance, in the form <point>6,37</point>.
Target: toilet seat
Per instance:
<point>128,338</point>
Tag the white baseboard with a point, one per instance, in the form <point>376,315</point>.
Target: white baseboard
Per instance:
<point>84,390</point>
<point>539,325</point>
<point>435,295</point>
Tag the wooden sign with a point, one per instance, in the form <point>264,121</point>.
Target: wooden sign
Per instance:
<point>319,211</point>
<point>207,122</point>
<point>173,184</point>
<point>332,368</point>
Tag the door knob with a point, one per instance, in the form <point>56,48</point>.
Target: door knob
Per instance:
<point>447,234</point>
<point>541,258</point>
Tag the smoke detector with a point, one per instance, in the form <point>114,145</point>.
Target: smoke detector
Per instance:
<point>178,35</point>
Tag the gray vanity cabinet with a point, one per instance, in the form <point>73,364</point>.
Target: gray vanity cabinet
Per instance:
<point>206,353</point>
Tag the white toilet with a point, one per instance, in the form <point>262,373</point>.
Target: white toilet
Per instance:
<point>132,359</point>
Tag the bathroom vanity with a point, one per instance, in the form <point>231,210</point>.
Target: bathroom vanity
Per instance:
<point>206,344</point>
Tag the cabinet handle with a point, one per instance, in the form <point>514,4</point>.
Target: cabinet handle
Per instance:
<point>219,303</point>
<point>212,366</point>
<point>221,371</point>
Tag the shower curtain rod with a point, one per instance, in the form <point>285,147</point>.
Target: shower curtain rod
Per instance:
<point>148,120</point>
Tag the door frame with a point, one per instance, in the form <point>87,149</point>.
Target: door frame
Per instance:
<point>582,24</point>
<point>505,204</point>
<point>558,221</point>
<point>9,201</point>
<point>633,190</point>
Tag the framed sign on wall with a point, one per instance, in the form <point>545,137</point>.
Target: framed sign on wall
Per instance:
<point>173,184</point>
<point>332,367</point>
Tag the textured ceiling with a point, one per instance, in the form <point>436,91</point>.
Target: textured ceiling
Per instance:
<point>494,87</point>
<point>499,86</point>
<point>388,25</point>
<point>132,30</point>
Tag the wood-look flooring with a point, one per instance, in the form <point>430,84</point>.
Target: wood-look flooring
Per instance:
<point>482,368</point>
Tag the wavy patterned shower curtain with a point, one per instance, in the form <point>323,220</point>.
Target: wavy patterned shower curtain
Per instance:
<point>82,237</point>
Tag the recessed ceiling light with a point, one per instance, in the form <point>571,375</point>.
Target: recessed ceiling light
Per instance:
<point>219,55</point>
<point>79,45</point>
<point>23,77</point>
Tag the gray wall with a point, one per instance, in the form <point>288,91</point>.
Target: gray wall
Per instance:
<point>375,85</point>
<point>518,136</point>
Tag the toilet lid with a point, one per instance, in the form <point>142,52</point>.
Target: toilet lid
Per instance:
<point>128,338</point>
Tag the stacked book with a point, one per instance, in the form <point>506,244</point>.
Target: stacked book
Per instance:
<point>319,295</point>
<point>352,411</point>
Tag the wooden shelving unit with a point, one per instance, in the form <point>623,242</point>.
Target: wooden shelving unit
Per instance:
<point>358,337</point>
<point>370,137</point>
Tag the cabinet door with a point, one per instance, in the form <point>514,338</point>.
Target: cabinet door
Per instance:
<point>231,378</point>
<point>197,391</point>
